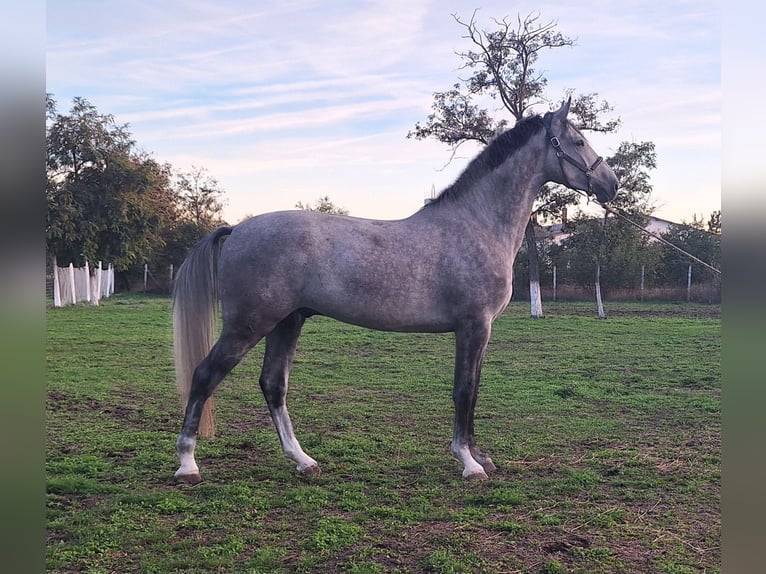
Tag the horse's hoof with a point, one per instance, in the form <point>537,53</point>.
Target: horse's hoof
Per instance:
<point>478,475</point>
<point>488,466</point>
<point>192,479</point>
<point>312,470</point>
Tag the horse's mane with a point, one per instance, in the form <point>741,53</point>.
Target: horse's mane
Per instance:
<point>492,156</point>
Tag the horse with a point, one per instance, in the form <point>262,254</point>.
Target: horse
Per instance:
<point>446,268</point>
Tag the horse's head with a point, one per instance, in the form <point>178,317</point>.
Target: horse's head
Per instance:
<point>573,162</point>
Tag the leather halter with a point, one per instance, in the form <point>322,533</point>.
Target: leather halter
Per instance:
<point>562,155</point>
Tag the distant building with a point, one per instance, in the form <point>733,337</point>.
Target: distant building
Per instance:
<point>659,226</point>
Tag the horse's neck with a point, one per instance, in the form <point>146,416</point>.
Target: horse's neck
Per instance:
<point>502,201</point>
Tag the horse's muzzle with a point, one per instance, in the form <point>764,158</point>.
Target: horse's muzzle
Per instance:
<point>606,193</point>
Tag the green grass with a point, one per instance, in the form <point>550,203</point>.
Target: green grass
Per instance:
<point>606,435</point>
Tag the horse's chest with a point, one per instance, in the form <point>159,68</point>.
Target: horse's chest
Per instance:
<point>494,288</point>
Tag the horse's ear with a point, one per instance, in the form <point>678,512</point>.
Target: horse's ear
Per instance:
<point>561,114</point>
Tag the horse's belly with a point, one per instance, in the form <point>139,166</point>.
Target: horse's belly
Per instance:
<point>393,313</point>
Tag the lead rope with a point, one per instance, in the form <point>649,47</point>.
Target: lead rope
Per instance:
<point>621,214</point>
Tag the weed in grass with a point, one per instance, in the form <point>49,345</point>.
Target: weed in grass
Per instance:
<point>499,496</point>
<point>571,481</point>
<point>552,567</point>
<point>364,568</point>
<point>555,519</point>
<point>172,503</point>
<point>265,560</point>
<point>567,392</point>
<point>610,518</point>
<point>307,497</point>
<point>350,496</point>
<point>511,528</point>
<point>334,533</point>
<point>469,515</point>
<point>444,561</point>
<point>674,568</point>
<point>597,557</point>
<point>78,485</point>
<point>221,552</point>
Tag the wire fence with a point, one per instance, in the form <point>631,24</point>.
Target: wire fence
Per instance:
<point>160,281</point>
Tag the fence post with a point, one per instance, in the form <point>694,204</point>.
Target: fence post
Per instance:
<point>56,286</point>
<point>71,284</point>
<point>87,281</point>
<point>170,283</point>
<point>642,281</point>
<point>97,290</point>
<point>554,282</point>
<point>146,275</point>
<point>599,301</point>
<point>689,285</point>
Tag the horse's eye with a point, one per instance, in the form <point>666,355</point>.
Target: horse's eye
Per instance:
<point>580,143</point>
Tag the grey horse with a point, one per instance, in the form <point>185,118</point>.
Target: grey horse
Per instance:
<point>448,267</point>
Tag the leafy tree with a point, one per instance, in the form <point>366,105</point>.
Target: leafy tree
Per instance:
<point>627,246</point>
<point>607,250</point>
<point>50,107</point>
<point>197,211</point>
<point>631,164</point>
<point>178,238</point>
<point>85,139</point>
<point>200,198</point>
<point>714,223</point>
<point>105,200</point>
<point>323,205</point>
<point>700,243</point>
<point>502,66</point>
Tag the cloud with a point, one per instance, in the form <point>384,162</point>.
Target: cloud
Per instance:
<point>383,33</point>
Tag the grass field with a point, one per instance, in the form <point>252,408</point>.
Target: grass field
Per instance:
<point>606,434</point>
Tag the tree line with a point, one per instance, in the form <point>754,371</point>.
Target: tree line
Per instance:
<point>108,200</point>
<point>627,259</point>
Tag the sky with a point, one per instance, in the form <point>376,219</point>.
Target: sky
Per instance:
<point>286,102</point>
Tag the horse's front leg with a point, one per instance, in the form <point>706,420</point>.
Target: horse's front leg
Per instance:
<point>476,452</point>
<point>471,344</point>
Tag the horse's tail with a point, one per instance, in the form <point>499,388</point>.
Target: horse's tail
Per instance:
<point>195,305</point>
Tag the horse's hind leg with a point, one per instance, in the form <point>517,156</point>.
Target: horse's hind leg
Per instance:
<point>476,452</point>
<point>223,357</point>
<point>281,344</point>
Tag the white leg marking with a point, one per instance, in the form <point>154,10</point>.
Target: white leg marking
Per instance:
<point>290,446</point>
<point>472,469</point>
<point>185,448</point>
